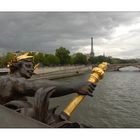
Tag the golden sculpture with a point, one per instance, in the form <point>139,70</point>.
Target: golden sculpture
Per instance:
<point>97,74</point>
<point>23,56</point>
<point>16,58</point>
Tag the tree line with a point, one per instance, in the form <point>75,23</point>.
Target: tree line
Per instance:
<point>62,57</point>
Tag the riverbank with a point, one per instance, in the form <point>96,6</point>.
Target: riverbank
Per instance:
<point>60,72</point>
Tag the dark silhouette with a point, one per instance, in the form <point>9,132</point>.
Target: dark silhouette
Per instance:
<point>15,87</point>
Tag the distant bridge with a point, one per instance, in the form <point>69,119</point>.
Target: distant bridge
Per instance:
<point>117,67</point>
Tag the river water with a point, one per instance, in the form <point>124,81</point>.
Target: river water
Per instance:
<point>116,101</point>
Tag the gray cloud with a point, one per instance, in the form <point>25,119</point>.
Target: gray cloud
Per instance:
<point>46,31</point>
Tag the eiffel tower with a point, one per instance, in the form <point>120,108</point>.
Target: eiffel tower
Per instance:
<point>92,51</point>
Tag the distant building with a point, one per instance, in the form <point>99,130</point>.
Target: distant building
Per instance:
<point>104,54</point>
<point>92,51</point>
<point>91,54</point>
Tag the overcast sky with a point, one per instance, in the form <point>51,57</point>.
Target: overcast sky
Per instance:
<point>116,34</point>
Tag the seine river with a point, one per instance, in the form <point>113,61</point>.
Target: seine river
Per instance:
<point>116,101</point>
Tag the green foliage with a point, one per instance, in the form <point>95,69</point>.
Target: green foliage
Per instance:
<point>80,58</point>
<point>52,60</point>
<point>64,55</point>
<point>99,59</point>
<point>9,56</point>
<point>2,62</point>
<point>45,60</point>
<point>92,60</point>
<point>39,57</point>
<point>5,59</point>
<point>128,61</point>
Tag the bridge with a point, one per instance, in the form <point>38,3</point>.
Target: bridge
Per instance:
<point>117,67</point>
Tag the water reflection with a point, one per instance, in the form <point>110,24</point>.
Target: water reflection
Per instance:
<point>116,101</point>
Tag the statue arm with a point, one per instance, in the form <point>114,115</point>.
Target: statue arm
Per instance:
<point>28,88</point>
<point>13,88</point>
<point>61,88</point>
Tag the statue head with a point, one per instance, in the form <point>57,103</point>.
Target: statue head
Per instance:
<point>22,65</point>
<point>26,69</point>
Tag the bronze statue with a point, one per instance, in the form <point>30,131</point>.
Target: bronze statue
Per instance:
<point>15,87</point>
